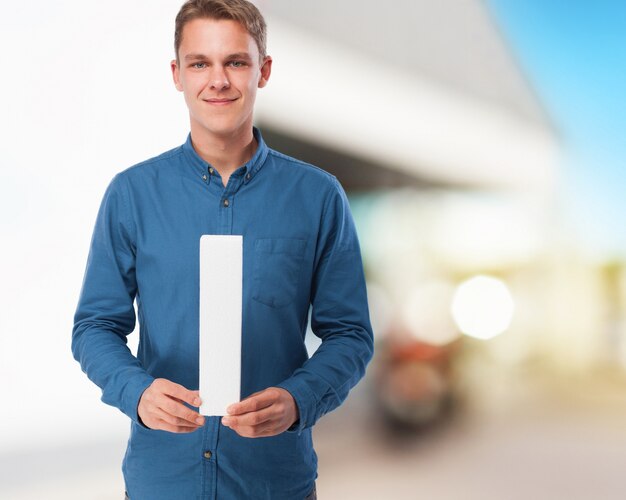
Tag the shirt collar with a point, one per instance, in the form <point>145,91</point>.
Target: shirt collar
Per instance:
<point>251,168</point>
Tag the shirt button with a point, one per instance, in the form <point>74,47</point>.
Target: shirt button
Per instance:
<point>226,203</point>
<point>204,177</point>
<point>247,177</point>
<point>211,170</point>
<point>207,454</point>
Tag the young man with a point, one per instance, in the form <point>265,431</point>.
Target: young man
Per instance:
<point>300,249</point>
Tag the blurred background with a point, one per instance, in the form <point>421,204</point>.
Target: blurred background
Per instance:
<point>481,146</point>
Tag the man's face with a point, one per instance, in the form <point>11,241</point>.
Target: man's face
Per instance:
<point>219,72</point>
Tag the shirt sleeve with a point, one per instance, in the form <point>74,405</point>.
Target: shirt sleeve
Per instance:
<point>339,317</point>
<point>105,314</point>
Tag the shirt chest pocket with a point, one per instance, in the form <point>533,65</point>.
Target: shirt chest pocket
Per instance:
<point>277,270</point>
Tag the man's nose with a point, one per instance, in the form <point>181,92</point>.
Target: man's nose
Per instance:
<point>218,79</point>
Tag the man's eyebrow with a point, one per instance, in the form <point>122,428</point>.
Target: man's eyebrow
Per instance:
<point>236,55</point>
<point>240,55</point>
<point>191,57</point>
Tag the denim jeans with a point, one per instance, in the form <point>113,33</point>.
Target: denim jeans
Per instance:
<point>310,496</point>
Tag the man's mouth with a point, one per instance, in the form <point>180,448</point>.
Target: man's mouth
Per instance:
<point>220,102</point>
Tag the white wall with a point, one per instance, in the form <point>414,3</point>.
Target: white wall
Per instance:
<point>85,92</point>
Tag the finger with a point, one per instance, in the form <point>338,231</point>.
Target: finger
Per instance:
<point>176,409</point>
<point>181,401</point>
<point>251,419</point>
<point>179,392</point>
<point>264,430</point>
<point>176,421</point>
<point>256,402</point>
<point>166,426</point>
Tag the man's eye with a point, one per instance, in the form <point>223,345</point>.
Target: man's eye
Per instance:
<point>237,64</point>
<point>198,65</point>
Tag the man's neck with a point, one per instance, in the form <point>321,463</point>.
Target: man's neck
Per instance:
<point>225,154</point>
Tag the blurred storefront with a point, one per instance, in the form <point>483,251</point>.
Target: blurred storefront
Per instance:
<point>451,166</point>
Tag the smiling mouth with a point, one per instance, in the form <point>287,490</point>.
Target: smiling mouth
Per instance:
<point>219,102</point>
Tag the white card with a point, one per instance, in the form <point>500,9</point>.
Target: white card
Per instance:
<point>221,282</point>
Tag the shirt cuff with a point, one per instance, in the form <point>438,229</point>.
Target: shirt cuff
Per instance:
<point>305,401</point>
<point>133,392</point>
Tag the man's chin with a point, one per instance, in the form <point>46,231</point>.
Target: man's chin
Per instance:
<point>225,130</point>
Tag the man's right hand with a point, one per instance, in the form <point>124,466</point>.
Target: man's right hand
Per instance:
<point>161,407</point>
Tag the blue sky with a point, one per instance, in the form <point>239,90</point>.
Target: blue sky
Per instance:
<point>574,52</point>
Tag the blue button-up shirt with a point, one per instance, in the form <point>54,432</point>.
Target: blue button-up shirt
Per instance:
<point>300,250</point>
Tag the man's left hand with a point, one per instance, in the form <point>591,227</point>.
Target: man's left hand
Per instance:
<point>264,413</point>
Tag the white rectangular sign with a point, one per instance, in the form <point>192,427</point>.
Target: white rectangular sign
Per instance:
<point>221,282</point>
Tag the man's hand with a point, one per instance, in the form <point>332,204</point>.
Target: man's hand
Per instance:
<point>265,413</point>
<point>161,407</point>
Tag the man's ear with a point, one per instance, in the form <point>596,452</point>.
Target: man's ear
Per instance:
<point>266,71</point>
<point>176,75</point>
